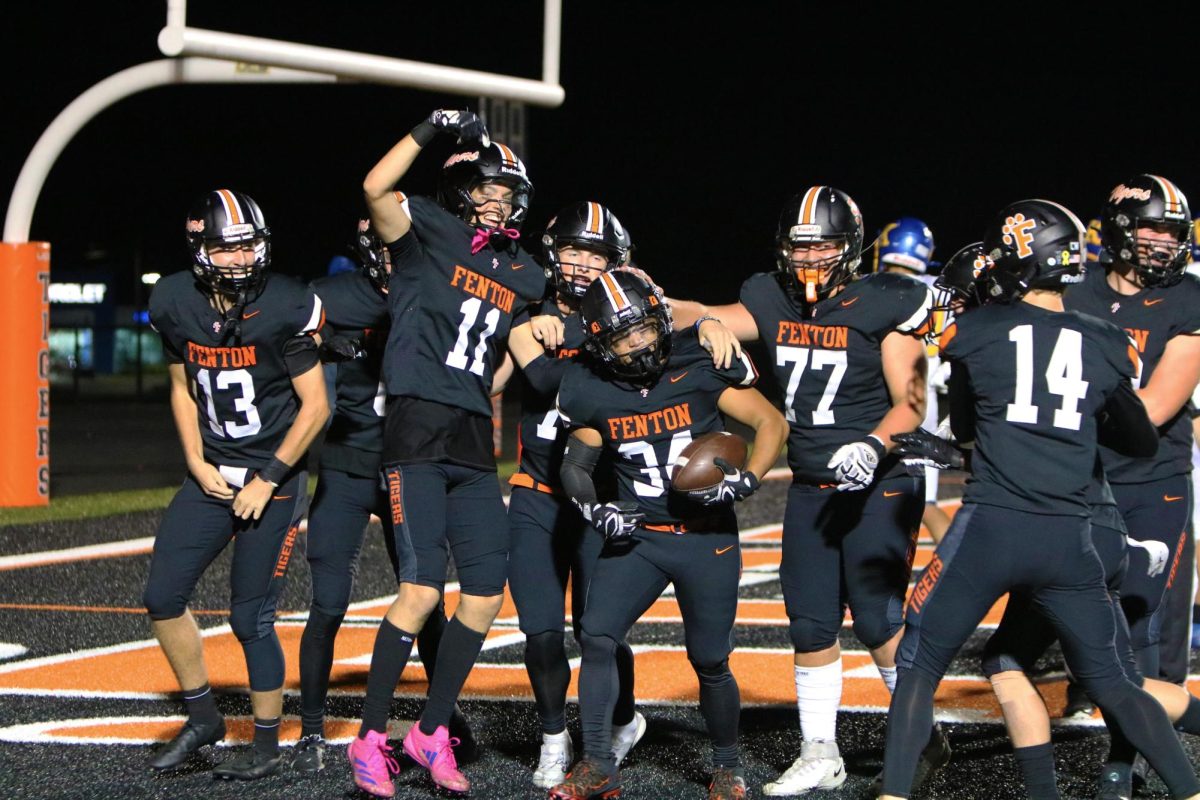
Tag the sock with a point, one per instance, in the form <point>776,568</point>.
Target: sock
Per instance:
<point>1037,768</point>
<point>549,675</point>
<point>266,736</point>
<point>625,707</point>
<point>460,647</point>
<point>201,706</point>
<point>1190,721</point>
<point>316,660</point>
<point>818,694</point>
<point>392,649</point>
<point>889,677</point>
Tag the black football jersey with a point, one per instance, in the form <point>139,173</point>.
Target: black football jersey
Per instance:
<point>646,428</point>
<point>241,382</point>
<point>1152,317</point>
<point>1037,379</point>
<point>451,311</point>
<point>540,435</point>
<point>829,365</point>
<point>354,308</point>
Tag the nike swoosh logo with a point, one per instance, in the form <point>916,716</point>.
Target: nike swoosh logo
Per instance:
<point>1170,499</point>
<point>723,550</point>
<point>850,302</point>
<point>891,494</point>
<point>1153,302</point>
<point>679,377</point>
<point>251,314</point>
<point>284,497</point>
<point>518,266</point>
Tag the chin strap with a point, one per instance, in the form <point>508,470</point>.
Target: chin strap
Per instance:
<point>232,323</point>
<point>485,236</point>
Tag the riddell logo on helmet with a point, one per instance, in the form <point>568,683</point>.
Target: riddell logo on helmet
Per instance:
<point>804,230</point>
<point>1124,192</point>
<point>241,229</point>
<point>458,158</point>
<point>195,226</point>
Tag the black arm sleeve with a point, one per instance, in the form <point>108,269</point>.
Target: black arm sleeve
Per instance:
<point>545,374</point>
<point>300,355</point>
<point>1124,425</point>
<point>579,460</point>
<point>962,404</point>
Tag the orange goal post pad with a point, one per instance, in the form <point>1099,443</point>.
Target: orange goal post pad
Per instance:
<point>25,365</point>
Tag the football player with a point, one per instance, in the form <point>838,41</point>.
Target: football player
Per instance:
<point>460,285</point>
<point>1028,384</point>
<point>248,397</point>
<point>851,360</point>
<point>640,397</point>
<point>348,488</point>
<point>550,540</point>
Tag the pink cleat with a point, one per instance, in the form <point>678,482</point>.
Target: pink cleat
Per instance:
<point>435,754</point>
<point>368,756</point>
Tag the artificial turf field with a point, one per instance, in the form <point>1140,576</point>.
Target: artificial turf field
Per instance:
<point>84,691</point>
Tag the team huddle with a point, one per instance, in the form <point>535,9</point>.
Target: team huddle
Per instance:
<point>1069,391</point>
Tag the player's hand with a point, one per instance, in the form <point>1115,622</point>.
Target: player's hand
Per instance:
<point>211,482</point>
<point>720,341</point>
<point>547,329</point>
<point>338,348</point>
<point>616,520</point>
<point>252,499</point>
<point>854,464</point>
<point>1157,553</point>
<point>922,448</point>
<point>737,486</point>
<point>463,124</point>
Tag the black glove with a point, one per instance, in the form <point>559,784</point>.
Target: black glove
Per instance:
<point>464,125</point>
<point>616,520</point>
<point>338,348</point>
<point>922,448</point>
<point>737,486</point>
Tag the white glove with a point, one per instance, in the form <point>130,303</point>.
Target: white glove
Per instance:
<point>854,464</point>
<point>939,379</point>
<point>1157,552</point>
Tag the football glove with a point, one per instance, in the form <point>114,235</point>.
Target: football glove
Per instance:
<point>736,486</point>
<point>1157,552</point>
<point>463,124</point>
<point>338,348</point>
<point>615,520</point>
<point>922,448</point>
<point>854,464</point>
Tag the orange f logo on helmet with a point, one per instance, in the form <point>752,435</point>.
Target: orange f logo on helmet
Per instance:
<point>1018,232</point>
<point>980,265</point>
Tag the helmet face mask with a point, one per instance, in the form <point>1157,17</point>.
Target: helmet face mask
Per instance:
<point>822,214</point>
<point>962,284</point>
<point>588,228</point>
<point>627,327</point>
<point>230,242</point>
<point>474,167</point>
<point>1033,244</point>
<point>1146,224</point>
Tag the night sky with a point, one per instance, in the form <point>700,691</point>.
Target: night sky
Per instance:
<point>693,126</point>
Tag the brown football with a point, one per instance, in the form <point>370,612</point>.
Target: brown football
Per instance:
<point>694,468</point>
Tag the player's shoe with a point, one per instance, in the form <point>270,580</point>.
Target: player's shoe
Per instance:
<point>626,736</point>
<point>588,781</point>
<point>186,742</point>
<point>1113,787</point>
<point>435,752</point>
<point>1079,705</point>
<point>726,784</point>
<point>373,767</point>
<point>818,767</point>
<point>554,760</point>
<point>308,756</point>
<point>248,766</point>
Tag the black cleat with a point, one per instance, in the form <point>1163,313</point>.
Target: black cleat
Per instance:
<point>186,742</point>
<point>1079,705</point>
<point>1113,787</point>
<point>935,756</point>
<point>248,766</point>
<point>308,756</point>
<point>467,749</point>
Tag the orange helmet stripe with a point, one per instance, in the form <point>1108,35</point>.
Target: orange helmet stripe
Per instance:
<point>616,295</point>
<point>1171,193</point>
<point>595,218</point>
<point>232,209</point>
<point>808,208</point>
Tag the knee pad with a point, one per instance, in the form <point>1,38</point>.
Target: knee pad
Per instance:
<point>809,636</point>
<point>875,630</point>
<point>713,674</point>
<point>249,626</point>
<point>322,625</point>
<point>1012,686</point>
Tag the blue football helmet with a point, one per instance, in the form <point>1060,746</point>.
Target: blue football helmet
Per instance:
<point>906,243</point>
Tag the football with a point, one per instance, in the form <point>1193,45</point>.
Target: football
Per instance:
<point>694,468</point>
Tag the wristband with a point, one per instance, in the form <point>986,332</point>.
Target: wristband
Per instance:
<point>275,472</point>
<point>876,444</point>
<point>423,133</point>
<point>705,318</point>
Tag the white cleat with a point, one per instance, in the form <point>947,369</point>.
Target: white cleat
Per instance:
<point>554,761</point>
<point>626,736</point>
<point>818,767</point>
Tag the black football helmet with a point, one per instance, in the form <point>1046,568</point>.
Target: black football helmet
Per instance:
<point>590,226</point>
<point>228,217</point>
<point>961,285</point>
<point>820,214</point>
<point>473,164</point>
<point>1033,244</point>
<point>1140,202</point>
<point>372,254</point>
<point>615,303</point>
